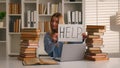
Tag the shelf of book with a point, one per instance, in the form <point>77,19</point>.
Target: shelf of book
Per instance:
<point>29,1</point>
<point>14,14</point>
<point>29,28</point>
<point>2,1</point>
<point>68,2</point>
<point>45,15</point>
<point>14,33</point>
<point>2,27</point>
<point>2,41</point>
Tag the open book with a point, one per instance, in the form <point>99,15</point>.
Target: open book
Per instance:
<point>39,61</point>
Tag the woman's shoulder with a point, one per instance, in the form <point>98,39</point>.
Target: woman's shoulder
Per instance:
<point>47,34</point>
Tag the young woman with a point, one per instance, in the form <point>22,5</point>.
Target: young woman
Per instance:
<point>51,45</point>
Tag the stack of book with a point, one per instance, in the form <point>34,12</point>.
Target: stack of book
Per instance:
<point>94,42</point>
<point>29,43</point>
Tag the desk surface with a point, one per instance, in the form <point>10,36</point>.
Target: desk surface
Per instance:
<point>12,62</point>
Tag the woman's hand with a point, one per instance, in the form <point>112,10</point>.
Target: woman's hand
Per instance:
<point>55,37</point>
<point>84,35</point>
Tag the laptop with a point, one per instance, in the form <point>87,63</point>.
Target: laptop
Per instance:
<point>72,52</point>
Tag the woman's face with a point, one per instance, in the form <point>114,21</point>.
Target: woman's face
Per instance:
<point>54,23</point>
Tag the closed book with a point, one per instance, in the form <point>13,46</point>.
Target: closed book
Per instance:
<point>97,54</point>
<point>76,17</point>
<point>96,33</point>
<point>93,36</point>
<point>96,26</point>
<point>48,7</point>
<point>94,51</point>
<point>46,26</point>
<point>73,17</point>
<point>69,17</point>
<point>94,48</point>
<point>30,30</point>
<point>10,8</point>
<point>28,56</point>
<point>80,17</point>
<point>91,56</point>
<point>28,44</point>
<point>95,30</point>
<point>30,35</point>
<point>27,49</point>
<point>96,59</point>
<point>29,38</point>
<point>94,40</point>
<point>39,61</point>
<point>30,41</point>
<point>94,44</point>
<point>22,46</point>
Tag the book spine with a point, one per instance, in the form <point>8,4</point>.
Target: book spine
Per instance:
<point>48,8</point>
<point>79,18</point>
<point>69,17</point>
<point>28,18</point>
<point>76,17</point>
<point>73,17</point>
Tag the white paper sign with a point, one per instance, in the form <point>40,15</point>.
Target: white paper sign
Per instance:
<point>70,32</point>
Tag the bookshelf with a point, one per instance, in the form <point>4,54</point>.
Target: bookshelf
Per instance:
<point>34,14</point>
<point>3,1</point>
<point>72,2</point>
<point>14,25</point>
<point>3,29</point>
<point>73,11</point>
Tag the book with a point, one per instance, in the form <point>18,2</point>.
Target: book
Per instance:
<point>29,35</point>
<point>28,55</point>
<point>30,30</point>
<point>96,26</point>
<point>94,51</point>
<point>39,61</point>
<point>48,7</point>
<point>97,54</point>
<point>27,49</point>
<point>96,33</point>
<point>94,48</point>
<point>69,17</point>
<point>23,46</point>
<point>100,56</point>
<point>92,40</point>
<point>93,36</point>
<point>76,17</point>
<point>30,41</point>
<point>73,17</point>
<point>79,18</point>
<point>96,58</point>
<point>46,26</point>
<point>95,30</point>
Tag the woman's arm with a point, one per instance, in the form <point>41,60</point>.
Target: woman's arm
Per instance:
<point>49,45</point>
